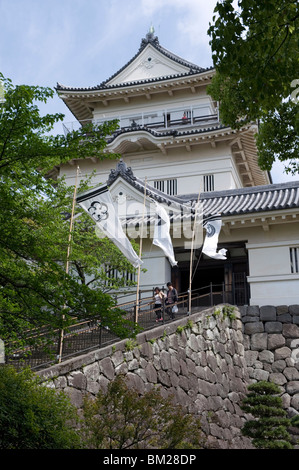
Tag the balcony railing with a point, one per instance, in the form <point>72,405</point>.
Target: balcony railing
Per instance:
<point>160,120</point>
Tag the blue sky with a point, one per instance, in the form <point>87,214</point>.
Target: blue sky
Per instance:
<point>83,42</point>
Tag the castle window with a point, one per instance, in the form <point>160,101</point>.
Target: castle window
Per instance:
<point>121,277</point>
<point>168,186</point>
<point>294,258</point>
<point>208,183</point>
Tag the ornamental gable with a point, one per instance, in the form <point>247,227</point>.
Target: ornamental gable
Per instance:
<point>149,64</point>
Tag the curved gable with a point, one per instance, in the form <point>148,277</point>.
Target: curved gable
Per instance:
<point>152,61</point>
<point>149,64</point>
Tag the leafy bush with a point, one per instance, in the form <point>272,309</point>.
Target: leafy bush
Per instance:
<point>33,416</point>
<point>122,419</point>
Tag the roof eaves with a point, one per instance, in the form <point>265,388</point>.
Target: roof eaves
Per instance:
<point>103,86</point>
<point>122,171</point>
<point>168,133</point>
<point>154,41</point>
<point>232,202</point>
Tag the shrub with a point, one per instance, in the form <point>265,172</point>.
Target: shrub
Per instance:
<point>122,419</point>
<point>269,428</point>
<point>33,416</point>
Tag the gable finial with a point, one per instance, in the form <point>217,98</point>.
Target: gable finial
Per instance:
<point>150,38</point>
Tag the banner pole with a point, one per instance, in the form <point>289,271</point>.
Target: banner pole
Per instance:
<point>191,258</point>
<point>140,250</point>
<point>67,259</point>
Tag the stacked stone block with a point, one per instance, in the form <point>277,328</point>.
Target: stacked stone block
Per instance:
<point>206,366</point>
<point>201,364</point>
<point>271,339</point>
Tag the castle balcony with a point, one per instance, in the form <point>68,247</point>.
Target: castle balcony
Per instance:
<point>160,120</point>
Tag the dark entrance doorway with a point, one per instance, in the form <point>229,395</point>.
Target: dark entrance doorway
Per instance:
<point>228,277</point>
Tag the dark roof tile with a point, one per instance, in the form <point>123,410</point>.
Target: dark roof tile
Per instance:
<point>230,202</point>
<point>153,40</point>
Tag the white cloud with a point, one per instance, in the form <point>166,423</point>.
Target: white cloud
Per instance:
<point>279,175</point>
<point>191,23</point>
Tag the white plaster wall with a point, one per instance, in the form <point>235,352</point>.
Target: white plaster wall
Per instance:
<point>271,280</point>
<point>275,290</point>
<point>187,167</point>
<point>158,271</point>
<point>150,63</point>
<point>161,102</point>
<point>265,259</point>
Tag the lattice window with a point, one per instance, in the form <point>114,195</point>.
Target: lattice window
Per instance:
<point>126,276</point>
<point>169,186</point>
<point>208,183</point>
<point>294,258</point>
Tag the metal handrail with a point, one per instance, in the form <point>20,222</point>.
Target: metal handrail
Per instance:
<point>89,334</point>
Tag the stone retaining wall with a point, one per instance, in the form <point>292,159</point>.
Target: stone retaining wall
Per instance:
<point>206,366</point>
<point>201,364</point>
<point>271,340</point>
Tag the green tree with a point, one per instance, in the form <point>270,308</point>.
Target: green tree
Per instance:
<point>269,428</point>
<point>33,416</point>
<point>122,419</point>
<point>35,289</point>
<point>255,53</point>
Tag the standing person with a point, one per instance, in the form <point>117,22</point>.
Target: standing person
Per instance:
<point>159,298</point>
<point>171,300</point>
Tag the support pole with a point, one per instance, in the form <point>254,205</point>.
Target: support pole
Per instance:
<point>191,258</point>
<point>67,259</point>
<point>140,251</point>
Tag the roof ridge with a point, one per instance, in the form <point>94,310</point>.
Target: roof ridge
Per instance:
<point>154,41</point>
<point>122,170</point>
<point>252,189</point>
<point>226,202</point>
<point>166,133</point>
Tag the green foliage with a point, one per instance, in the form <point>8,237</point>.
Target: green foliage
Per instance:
<point>122,419</point>
<point>26,141</point>
<point>164,336</point>
<point>189,325</point>
<point>34,287</point>
<point>227,311</point>
<point>33,416</point>
<point>295,421</point>
<point>255,53</point>
<point>180,329</point>
<point>279,129</point>
<point>269,428</point>
<point>131,344</point>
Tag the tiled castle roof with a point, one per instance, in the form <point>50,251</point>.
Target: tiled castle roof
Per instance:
<point>153,40</point>
<point>165,133</point>
<point>252,200</point>
<point>230,202</point>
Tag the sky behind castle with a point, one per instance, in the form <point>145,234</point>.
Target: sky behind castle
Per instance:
<point>80,43</point>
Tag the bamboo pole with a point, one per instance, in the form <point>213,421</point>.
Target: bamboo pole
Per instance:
<point>140,251</point>
<point>191,257</point>
<point>67,258</point>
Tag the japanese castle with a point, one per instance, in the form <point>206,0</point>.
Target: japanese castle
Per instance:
<point>174,150</point>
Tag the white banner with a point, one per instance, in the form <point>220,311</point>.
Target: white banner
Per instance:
<point>213,227</point>
<point>161,234</point>
<point>99,205</point>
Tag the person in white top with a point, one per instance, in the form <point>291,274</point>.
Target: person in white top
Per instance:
<point>159,297</point>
